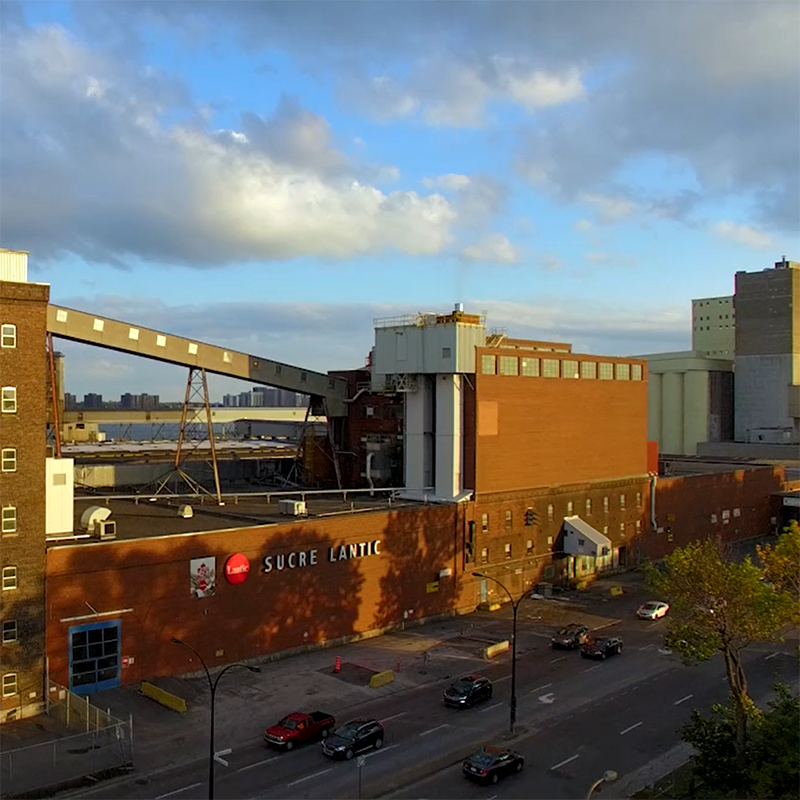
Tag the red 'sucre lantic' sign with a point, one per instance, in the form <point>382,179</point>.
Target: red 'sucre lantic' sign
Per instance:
<point>237,568</point>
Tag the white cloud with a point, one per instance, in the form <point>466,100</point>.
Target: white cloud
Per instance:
<point>582,225</point>
<point>451,181</point>
<point>608,208</point>
<point>494,248</point>
<point>742,234</point>
<point>535,89</point>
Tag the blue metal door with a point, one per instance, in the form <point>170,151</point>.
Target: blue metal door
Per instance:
<point>94,657</point>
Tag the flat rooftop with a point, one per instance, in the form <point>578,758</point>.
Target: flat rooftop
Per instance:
<point>147,516</point>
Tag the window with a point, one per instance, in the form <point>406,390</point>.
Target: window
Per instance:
<point>588,506</point>
<point>570,508</point>
<point>9,631</point>
<point>550,512</point>
<point>530,367</point>
<point>446,352</point>
<point>549,571</point>
<point>605,505</point>
<point>485,522</point>
<point>8,459</point>
<point>569,368</point>
<point>622,502</point>
<point>59,479</point>
<point>622,528</point>
<point>509,517</point>
<point>9,399</point>
<point>636,372</point>
<point>638,526</point>
<point>589,369</point>
<point>550,368</point>
<point>9,684</point>
<point>9,578</point>
<point>9,519</point>
<point>507,550</point>
<point>581,542</point>
<point>529,547</point>
<point>605,530</point>
<point>484,555</point>
<point>509,365</point>
<point>8,336</point>
<point>550,540</point>
<point>489,365</point>
<point>606,371</point>
<point>622,372</point>
<point>638,499</point>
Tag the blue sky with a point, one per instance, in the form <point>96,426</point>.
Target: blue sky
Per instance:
<point>271,176</point>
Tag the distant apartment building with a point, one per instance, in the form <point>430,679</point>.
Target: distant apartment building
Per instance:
<point>265,397</point>
<point>142,402</point>
<point>230,400</point>
<point>713,326</point>
<point>92,400</point>
<point>70,401</point>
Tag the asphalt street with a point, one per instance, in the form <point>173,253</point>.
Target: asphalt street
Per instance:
<point>576,719</point>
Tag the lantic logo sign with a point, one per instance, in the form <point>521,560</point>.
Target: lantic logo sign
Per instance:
<point>309,558</point>
<point>237,568</point>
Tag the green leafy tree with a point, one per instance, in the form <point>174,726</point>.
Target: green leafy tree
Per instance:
<point>782,560</point>
<point>720,605</point>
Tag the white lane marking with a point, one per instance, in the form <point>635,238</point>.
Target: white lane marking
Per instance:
<point>309,777</point>
<point>556,660</point>
<point>565,761</point>
<point>258,763</point>
<point>499,680</point>
<point>178,791</point>
<point>394,716</point>
<point>382,750</point>
<point>596,666</point>
<point>683,699</point>
<point>489,708</point>
<point>632,727</point>
<point>772,655</point>
<point>539,688</point>
<point>437,728</point>
<point>646,647</point>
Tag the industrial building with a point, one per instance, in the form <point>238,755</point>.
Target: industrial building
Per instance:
<point>453,449</point>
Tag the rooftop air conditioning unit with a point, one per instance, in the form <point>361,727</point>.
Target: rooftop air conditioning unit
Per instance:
<point>107,529</point>
<point>92,516</point>
<point>292,508</point>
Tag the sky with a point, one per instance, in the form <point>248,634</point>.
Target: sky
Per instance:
<point>273,176</point>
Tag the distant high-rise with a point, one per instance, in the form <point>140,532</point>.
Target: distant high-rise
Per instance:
<point>92,400</point>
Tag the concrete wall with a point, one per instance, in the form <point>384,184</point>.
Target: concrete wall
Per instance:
<point>713,326</point>
<point>762,396</point>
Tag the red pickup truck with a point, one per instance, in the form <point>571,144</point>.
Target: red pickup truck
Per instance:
<point>299,727</point>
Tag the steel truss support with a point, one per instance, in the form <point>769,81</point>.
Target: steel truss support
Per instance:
<point>54,394</point>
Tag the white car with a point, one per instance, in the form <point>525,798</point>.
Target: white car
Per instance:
<point>653,609</point>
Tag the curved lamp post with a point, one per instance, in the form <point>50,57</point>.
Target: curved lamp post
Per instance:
<point>514,605</point>
<point>608,777</point>
<point>212,685</point>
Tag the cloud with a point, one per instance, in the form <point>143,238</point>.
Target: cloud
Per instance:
<point>494,248</point>
<point>89,167</point>
<point>611,259</point>
<point>742,234</point>
<point>537,88</point>
<point>582,225</point>
<point>451,181</point>
<point>608,209</point>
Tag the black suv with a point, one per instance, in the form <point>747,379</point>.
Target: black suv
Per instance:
<point>602,648</point>
<point>467,691</point>
<point>353,737</point>
<point>571,637</point>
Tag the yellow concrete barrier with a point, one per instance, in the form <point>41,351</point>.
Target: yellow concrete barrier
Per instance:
<point>162,696</point>
<point>616,591</point>
<point>489,606</point>
<point>381,679</point>
<point>495,649</point>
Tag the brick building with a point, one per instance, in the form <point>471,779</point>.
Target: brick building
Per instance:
<point>23,374</point>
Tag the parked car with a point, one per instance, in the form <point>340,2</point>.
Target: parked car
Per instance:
<point>353,737</point>
<point>467,691</point>
<point>492,763</point>
<point>602,647</point>
<point>653,609</point>
<point>571,637</point>
<point>299,727</point>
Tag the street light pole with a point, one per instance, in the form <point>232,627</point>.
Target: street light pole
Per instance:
<point>212,685</point>
<point>608,777</point>
<point>515,606</point>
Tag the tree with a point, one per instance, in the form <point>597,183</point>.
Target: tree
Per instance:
<point>782,561</point>
<point>720,605</point>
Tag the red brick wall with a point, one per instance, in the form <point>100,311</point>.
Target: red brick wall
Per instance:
<point>267,613</point>
<point>552,431</point>
<point>686,504</point>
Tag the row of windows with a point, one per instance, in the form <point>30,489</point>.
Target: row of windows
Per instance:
<point>559,368</point>
<point>8,335</point>
<point>9,395</point>
<point>9,684</point>
<point>8,459</point>
<point>530,516</point>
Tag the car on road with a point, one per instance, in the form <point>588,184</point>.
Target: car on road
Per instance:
<point>602,647</point>
<point>490,764</point>
<point>652,609</point>
<point>354,737</point>
<point>570,637</point>
<point>299,727</point>
<point>467,691</point>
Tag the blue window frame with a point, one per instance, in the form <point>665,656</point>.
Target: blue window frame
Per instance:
<point>94,657</point>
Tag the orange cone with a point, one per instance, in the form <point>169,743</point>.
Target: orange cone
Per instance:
<point>337,667</point>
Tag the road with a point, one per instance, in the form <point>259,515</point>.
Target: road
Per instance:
<point>576,718</point>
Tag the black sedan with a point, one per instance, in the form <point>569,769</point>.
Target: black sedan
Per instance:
<point>571,637</point>
<point>492,763</point>
<point>353,737</point>
<point>467,691</point>
<point>602,647</point>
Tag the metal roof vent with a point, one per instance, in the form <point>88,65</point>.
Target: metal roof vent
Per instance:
<point>92,516</point>
<point>186,512</point>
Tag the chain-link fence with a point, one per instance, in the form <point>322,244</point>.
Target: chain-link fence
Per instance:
<point>104,744</point>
